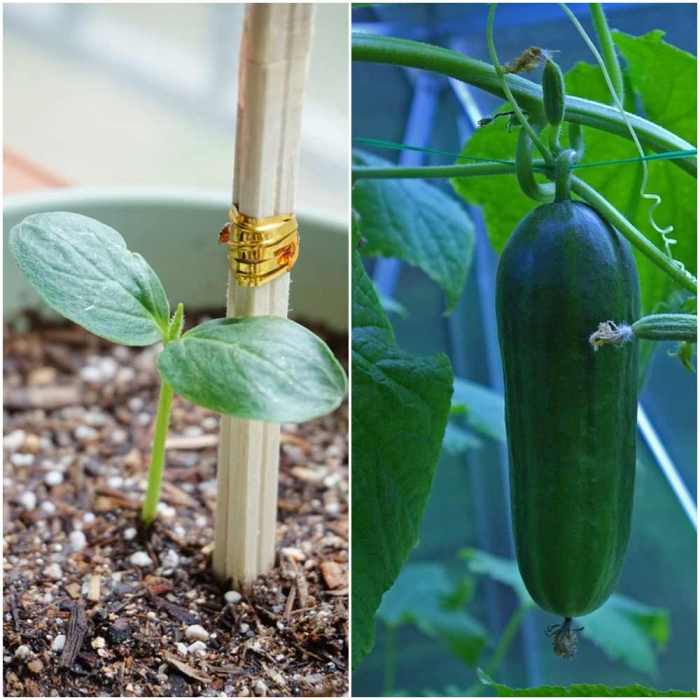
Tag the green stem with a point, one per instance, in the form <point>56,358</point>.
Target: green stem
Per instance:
<point>562,175</point>
<point>437,171</point>
<point>524,123</point>
<point>607,48</point>
<point>414,54</point>
<point>155,469</point>
<point>389,660</point>
<point>681,276</point>
<point>502,647</point>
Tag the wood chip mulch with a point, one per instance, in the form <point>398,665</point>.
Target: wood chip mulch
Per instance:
<point>93,606</point>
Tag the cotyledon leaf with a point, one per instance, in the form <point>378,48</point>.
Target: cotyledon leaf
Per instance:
<point>261,368</point>
<point>83,270</point>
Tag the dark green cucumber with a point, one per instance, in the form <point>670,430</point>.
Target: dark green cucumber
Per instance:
<point>570,411</point>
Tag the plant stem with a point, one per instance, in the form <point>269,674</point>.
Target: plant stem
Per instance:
<point>502,647</point>
<point>436,171</point>
<point>607,48</point>
<point>680,275</point>
<point>155,469</point>
<point>414,54</point>
<point>524,123</point>
<point>389,660</point>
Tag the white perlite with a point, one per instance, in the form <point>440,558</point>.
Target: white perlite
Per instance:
<point>232,597</point>
<point>140,559</point>
<point>58,643</point>
<point>197,632</point>
<point>21,459</point>
<point>53,571</point>
<point>198,647</point>
<point>23,652</point>
<point>77,540</point>
<point>129,533</point>
<point>14,440</point>
<point>53,478</point>
<point>28,500</point>
<point>170,559</point>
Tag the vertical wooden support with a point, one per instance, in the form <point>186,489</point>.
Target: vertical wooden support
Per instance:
<point>273,67</point>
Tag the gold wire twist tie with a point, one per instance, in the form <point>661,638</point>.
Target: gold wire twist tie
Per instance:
<point>260,250</point>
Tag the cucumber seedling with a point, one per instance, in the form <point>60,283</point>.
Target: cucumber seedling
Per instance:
<point>259,368</point>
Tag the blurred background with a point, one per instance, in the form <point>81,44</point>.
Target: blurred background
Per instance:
<point>416,651</point>
<point>145,95</point>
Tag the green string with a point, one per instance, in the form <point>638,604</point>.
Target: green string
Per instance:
<point>392,145</point>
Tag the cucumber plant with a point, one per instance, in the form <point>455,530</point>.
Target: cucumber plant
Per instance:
<point>259,368</point>
<point>576,274</point>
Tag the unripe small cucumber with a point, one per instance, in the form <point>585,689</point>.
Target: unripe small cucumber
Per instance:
<point>553,93</point>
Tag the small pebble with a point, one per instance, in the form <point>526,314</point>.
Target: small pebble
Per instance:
<point>84,433</point>
<point>115,482</point>
<point>232,597</point>
<point>293,553</point>
<point>210,423</point>
<point>245,628</point>
<point>140,559</point>
<point>21,459</point>
<point>108,367</point>
<point>170,559</point>
<point>181,648</point>
<point>48,507</point>
<point>193,431</point>
<point>259,688</point>
<point>53,478</point>
<point>165,511</point>
<point>118,437</point>
<point>98,643</point>
<point>77,540</point>
<point>135,404</point>
<point>23,652</point>
<point>53,571</point>
<point>58,643</point>
<point>143,418</point>
<point>35,666</point>
<point>126,375</point>
<point>91,374</point>
<point>198,647</point>
<point>28,500</point>
<point>129,533</point>
<point>196,632</point>
<point>95,418</point>
<point>14,440</point>
<point>88,518</point>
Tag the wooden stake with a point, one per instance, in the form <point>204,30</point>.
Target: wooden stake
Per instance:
<point>273,67</point>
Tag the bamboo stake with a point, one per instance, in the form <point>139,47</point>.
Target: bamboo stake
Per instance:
<point>273,67</point>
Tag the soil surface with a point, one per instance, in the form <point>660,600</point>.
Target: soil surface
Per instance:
<point>93,606</point>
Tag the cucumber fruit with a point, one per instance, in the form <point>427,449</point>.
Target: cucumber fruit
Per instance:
<point>570,411</point>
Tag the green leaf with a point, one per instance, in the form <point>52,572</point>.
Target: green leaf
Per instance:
<point>261,368</point>
<point>486,413</point>
<point>419,598</point>
<point>628,631</point>
<point>504,571</point>
<point>400,405</point>
<point>417,223</point>
<point>582,690</point>
<point>83,270</point>
<point>650,62</point>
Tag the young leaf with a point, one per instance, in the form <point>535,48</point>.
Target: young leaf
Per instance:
<point>415,222</point>
<point>83,270</point>
<point>400,407</point>
<point>419,598</point>
<point>260,368</point>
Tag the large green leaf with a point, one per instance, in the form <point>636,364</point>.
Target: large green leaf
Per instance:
<point>419,598</point>
<point>504,204</point>
<point>400,405</point>
<point>417,223</point>
<point>624,629</point>
<point>261,368</point>
<point>582,690</point>
<point>83,270</point>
